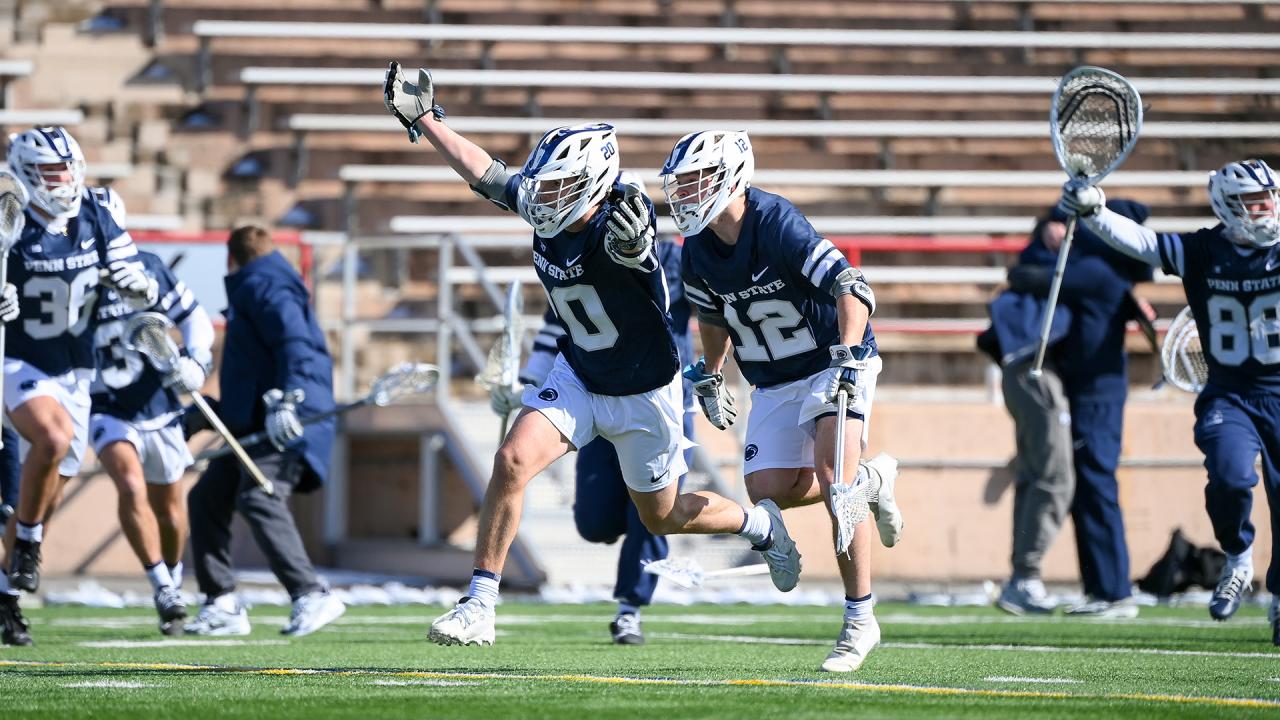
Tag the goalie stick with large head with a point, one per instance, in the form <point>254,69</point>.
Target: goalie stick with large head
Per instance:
<point>13,201</point>
<point>1094,122</point>
<point>502,367</point>
<point>1184,364</point>
<point>402,381</point>
<point>148,335</point>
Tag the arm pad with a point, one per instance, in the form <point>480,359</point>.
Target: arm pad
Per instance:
<point>851,281</point>
<point>492,186</point>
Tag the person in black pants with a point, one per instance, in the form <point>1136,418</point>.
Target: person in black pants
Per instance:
<point>275,370</point>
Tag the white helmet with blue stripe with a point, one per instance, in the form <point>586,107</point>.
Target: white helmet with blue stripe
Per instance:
<point>705,171</point>
<point>570,170</point>
<point>1246,198</point>
<point>48,161</point>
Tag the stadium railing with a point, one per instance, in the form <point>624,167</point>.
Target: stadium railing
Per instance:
<point>9,71</point>
<point>28,118</point>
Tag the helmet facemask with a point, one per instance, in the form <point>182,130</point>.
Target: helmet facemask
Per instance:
<point>1246,198</point>
<point>569,172</point>
<point>703,174</point>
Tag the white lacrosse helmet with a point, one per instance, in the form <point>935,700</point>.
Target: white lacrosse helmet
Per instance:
<point>1256,227</point>
<point>49,163</point>
<point>724,165</point>
<point>570,170</point>
<point>110,199</point>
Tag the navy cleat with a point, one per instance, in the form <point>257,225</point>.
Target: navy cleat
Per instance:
<point>1274,616</point>
<point>626,630</point>
<point>1232,584</point>
<point>13,627</point>
<point>24,566</point>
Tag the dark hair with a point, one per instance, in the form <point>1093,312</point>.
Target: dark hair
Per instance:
<point>248,243</point>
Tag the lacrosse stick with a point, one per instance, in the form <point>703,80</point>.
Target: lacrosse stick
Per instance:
<point>502,367</point>
<point>13,200</point>
<point>148,334</point>
<point>1094,123</point>
<point>848,502</point>
<point>688,574</point>
<point>1184,363</point>
<point>402,381</point>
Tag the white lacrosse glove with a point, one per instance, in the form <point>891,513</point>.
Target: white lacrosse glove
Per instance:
<point>9,304</point>
<point>129,279</point>
<point>408,102</point>
<point>283,424</point>
<point>504,399</point>
<point>1080,198</point>
<point>629,234</point>
<point>848,372</point>
<point>187,375</point>
<point>713,395</point>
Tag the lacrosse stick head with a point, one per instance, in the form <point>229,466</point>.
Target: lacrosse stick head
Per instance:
<point>148,335</point>
<point>683,571</point>
<point>402,381</point>
<point>13,201</point>
<point>502,367</point>
<point>1094,122</point>
<point>1184,363</point>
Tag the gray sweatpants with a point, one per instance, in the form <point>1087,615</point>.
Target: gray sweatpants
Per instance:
<point>1045,477</point>
<point>224,488</point>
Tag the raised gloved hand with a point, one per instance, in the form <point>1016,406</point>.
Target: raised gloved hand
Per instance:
<point>283,423</point>
<point>9,304</point>
<point>628,233</point>
<point>713,395</point>
<point>187,375</point>
<point>128,278</point>
<point>848,371</point>
<point>1080,198</point>
<point>504,399</point>
<point>408,102</point>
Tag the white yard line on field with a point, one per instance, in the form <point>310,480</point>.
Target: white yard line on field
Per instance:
<point>1043,681</point>
<point>116,644</point>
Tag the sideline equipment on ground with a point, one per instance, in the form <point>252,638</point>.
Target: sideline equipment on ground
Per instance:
<point>1094,123</point>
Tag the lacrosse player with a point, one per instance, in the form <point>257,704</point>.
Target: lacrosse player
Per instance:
<point>1230,275</point>
<point>70,246</point>
<point>1067,460</point>
<point>796,314</point>
<point>617,375</point>
<point>602,509</point>
<point>275,367</point>
<point>136,426</point>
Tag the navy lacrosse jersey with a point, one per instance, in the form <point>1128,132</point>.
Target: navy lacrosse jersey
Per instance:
<point>127,386</point>
<point>619,339</point>
<point>774,289</point>
<point>56,274</point>
<point>1234,295</point>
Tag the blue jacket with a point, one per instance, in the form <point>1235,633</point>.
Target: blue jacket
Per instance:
<point>1015,321</point>
<point>274,341</point>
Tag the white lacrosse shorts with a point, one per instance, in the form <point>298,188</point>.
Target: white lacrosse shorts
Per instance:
<point>162,451</point>
<point>780,428</point>
<point>647,429</point>
<point>22,382</point>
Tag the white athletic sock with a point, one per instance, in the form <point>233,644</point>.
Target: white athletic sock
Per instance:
<point>31,533</point>
<point>4,585</point>
<point>175,572</point>
<point>625,609</point>
<point>159,576</point>
<point>484,587</point>
<point>1244,559</point>
<point>755,526</point>
<point>862,608</point>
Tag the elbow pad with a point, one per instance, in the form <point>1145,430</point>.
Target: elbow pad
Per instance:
<point>851,281</point>
<point>492,186</point>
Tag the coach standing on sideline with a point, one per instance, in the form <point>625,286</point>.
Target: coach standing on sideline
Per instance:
<point>273,349</point>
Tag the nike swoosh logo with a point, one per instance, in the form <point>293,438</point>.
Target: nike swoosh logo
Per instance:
<point>1271,264</point>
<point>755,277</point>
<point>569,263</point>
<point>87,244</point>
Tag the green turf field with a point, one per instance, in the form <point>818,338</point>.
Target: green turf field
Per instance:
<point>704,661</point>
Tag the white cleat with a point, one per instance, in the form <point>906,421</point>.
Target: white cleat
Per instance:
<point>1125,609</point>
<point>782,557</point>
<point>216,620</point>
<point>884,507</point>
<point>470,622</point>
<point>312,612</point>
<point>857,640</point>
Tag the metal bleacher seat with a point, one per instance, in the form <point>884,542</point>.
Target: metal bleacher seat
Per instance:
<point>9,70</point>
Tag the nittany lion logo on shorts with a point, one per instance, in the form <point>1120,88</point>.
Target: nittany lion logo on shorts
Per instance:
<point>98,433</point>
<point>27,384</point>
<point>750,454</point>
<point>549,395</point>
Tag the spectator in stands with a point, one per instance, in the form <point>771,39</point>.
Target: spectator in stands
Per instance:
<point>275,367</point>
<point>1091,374</point>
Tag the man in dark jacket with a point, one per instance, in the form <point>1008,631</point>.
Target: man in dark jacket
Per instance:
<point>275,370</point>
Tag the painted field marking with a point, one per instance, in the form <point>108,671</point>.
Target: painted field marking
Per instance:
<point>125,644</point>
<point>614,680</point>
<point>109,684</point>
<point>1044,681</point>
<point>433,683</point>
